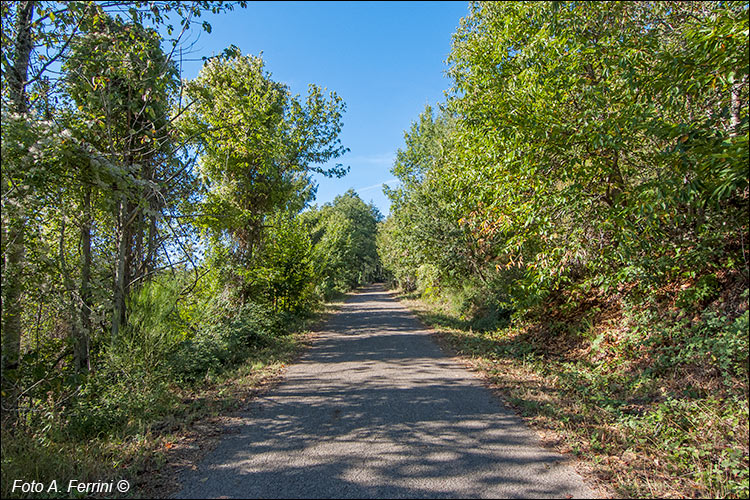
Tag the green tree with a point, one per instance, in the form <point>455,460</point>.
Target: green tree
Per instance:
<point>428,214</point>
<point>47,174</point>
<point>343,236</point>
<point>258,145</point>
<point>128,105</point>
<point>284,270</point>
<point>602,135</point>
<point>37,35</point>
<point>578,141</point>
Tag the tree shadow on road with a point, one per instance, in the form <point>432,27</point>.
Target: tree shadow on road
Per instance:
<point>376,410</point>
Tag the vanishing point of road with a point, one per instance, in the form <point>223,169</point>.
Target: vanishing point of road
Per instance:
<point>375,409</point>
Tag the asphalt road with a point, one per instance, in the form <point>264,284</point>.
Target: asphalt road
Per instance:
<point>375,409</point>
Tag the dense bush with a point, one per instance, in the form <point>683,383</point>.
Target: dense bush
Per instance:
<point>595,145</point>
<point>214,347</point>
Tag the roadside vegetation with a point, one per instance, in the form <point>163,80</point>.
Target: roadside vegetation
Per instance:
<point>161,256</point>
<point>574,219</point>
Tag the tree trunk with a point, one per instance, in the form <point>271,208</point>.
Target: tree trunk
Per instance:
<point>76,328</point>
<point>123,242</point>
<point>15,250</point>
<point>151,246</point>
<point>138,267</point>
<point>12,289</point>
<point>18,74</point>
<point>84,333</point>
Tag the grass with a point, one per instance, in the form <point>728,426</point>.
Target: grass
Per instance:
<point>598,385</point>
<point>143,447</point>
<point>184,423</point>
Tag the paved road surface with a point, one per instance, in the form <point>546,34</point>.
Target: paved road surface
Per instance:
<point>376,410</point>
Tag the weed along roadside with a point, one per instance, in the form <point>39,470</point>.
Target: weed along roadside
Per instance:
<point>218,407</point>
<point>179,431</point>
<point>194,351</point>
<point>376,410</point>
<point>639,432</point>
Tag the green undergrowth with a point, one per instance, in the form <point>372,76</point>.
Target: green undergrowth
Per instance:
<point>117,428</point>
<point>653,399</point>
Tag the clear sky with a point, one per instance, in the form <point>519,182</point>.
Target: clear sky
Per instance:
<point>385,59</point>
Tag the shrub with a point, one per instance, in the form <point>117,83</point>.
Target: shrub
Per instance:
<point>428,281</point>
<point>225,343</point>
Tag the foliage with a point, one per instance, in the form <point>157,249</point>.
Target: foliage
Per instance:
<point>591,113</point>
<point>223,344</point>
<point>343,238</point>
<point>592,143</point>
<point>284,269</point>
<point>258,143</point>
<point>578,139</point>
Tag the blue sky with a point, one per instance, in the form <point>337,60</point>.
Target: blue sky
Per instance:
<point>385,59</point>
